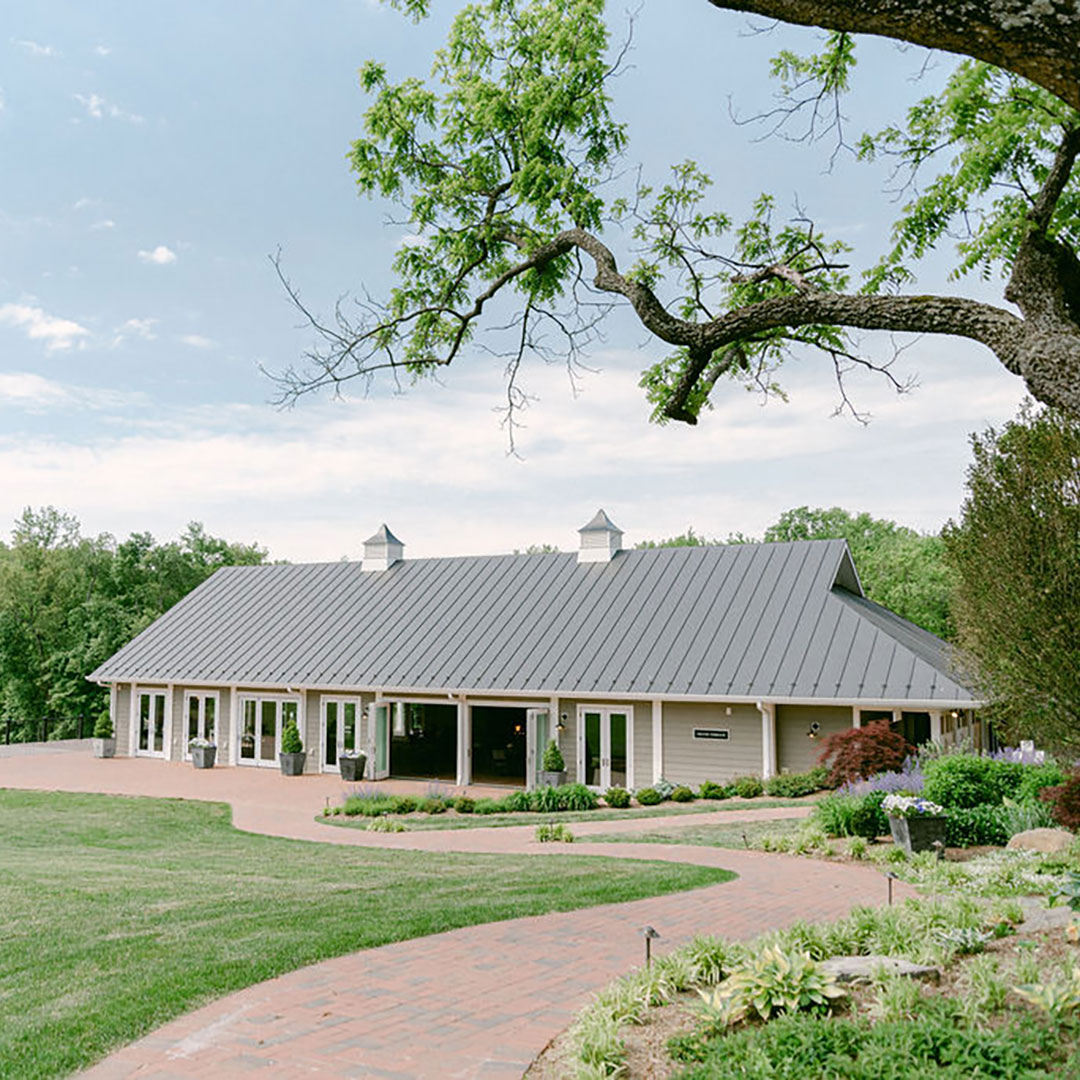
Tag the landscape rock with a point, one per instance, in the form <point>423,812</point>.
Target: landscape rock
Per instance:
<point>850,969</point>
<point>1049,841</point>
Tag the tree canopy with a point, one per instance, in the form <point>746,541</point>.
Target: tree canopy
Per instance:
<point>1016,551</point>
<point>67,602</point>
<point>506,165</point>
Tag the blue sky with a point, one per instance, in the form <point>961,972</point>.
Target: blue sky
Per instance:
<point>155,155</point>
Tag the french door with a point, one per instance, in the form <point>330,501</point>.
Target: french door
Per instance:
<point>261,721</point>
<point>340,730</point>
<point>537,734</point>
<point>151,723</point>
<point>605,747</point>
<point>379,740</point>
<point>200,718</point>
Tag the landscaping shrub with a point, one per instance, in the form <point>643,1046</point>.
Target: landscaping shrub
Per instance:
<point>553,759</point>
<point>793,785</point>
<point>1064,802</point>
<point>964,781</point>
<point>859,753</point>
<point>648,796</point>
<point>577,797</point>
<point>664,788</point>
<point>544,800</point>
<point>852,815</point>
<point>464,805</point>
<point>290,738</point>
<point>748,787</point>
<point>433,804</point>
<point>682,794</point>
<point>554,833</point>
<point>488,806</point>
<point>103,727</point>
<point>709,790</point>
<point>617,798</point>
<point>1037,778</point>
<point>976,825</point>
<point>516,802</point>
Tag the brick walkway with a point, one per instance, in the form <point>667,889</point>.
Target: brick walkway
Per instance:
<point>480,1002</point>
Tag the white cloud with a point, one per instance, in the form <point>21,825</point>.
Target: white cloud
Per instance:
<point>135,328</point>
<point>36,49</point>
<point>3,100</point>
<point>55,332</point>
<point>102,50</point>
<point>83,202</point>
<point>160,256</point>
<point>105,223</point>
<point>35,393</point>
<point>197,341</point>
<point>98,108</point>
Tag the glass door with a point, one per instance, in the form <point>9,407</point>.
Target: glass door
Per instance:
<point>340,731</point>
<point>151,724</point>
<point>605,741</point>
<point>200,713</point>
<point>261,721</point>
<point>536,740</point>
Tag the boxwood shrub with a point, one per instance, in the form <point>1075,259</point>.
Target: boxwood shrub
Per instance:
<point>795,785</point>
<point>617,798</point>
<point>648,796</point>
<point>748,787</point>
<point>709,790</point>
<point>682,794</point>
<point>976,825</point>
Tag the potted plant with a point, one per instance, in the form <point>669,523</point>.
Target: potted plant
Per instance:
<point>203,753</point>
<point>553,768</point>
<point>915,823</point>
<point>352,764</point>
<point>292,750</point>
<point>104,741</point>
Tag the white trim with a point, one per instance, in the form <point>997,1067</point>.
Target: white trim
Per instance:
<point>133,720</point>
<point>606,712</point>
<point>234,725</point>
<point>768,738</point>
<point>185,737</point>
<point>426,695</point>
<point>280,699</point>
<point>136,705</point>
<point>856,717</point>
<point>167,726</point>
<point>657,740</point>
<point>464,744</point>
<point>935,725</point>
<point>114,694</point>
<point>342,700</point>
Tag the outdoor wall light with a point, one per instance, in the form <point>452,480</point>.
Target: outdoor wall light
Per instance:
<point>560,727</point>
<point>650,934</point>
<point>815,727</point>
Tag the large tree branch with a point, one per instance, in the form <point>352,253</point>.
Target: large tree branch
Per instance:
<point>1040,41</point>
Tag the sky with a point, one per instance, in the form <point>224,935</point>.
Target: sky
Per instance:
<point>156,155</point>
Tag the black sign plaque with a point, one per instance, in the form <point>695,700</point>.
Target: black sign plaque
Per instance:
<point>710,733</point>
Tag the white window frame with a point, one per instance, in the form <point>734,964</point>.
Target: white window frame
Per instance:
<point>201,695</point>
<point>361,743</point>
<point>605,712</point>
<point>258,698</point>
<point>136,720</point>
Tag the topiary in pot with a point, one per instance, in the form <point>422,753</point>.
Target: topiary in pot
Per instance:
<point>292,754</point>
<point>553,770</point>
<point>104,742</point>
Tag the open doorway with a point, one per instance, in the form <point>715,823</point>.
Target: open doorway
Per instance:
<point>498,745</point>
<point>423,741</point>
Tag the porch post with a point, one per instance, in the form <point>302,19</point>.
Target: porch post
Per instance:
<point>935,725</point>
<point>464,743</point>
<point>170,693</point>
<point>657,740</point>
<point>234,725</point>
<point>856,717</point>
<point>768,739</point>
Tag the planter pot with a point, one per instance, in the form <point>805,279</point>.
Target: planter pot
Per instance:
<point>203,757</point>
<point>551,779</point>
<point>292,764</point>
<point>917,833</point>
<point>352,768</point>
<point>104,748</point>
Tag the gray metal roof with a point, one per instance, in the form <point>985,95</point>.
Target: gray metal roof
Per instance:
<point>731,621</point>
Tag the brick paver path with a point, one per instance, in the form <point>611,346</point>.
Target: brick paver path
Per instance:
<point>479,1002</point>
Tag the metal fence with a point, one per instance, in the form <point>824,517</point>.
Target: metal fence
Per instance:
<point>47,729</point>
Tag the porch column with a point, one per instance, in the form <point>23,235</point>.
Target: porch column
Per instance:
<point>856,717</point>
<point>234,725</point>
<point>935,725</point>
<point>170,693</point>
<point>768,739</point>
<point>657,740</point>
<point>464,743</point>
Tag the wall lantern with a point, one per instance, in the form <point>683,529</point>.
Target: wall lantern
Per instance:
<point>815,727</point>
<point>560,727</point>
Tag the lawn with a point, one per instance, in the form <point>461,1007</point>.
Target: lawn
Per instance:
<point>118,914</point>
<point>451,820</point>
<point>737,835</point>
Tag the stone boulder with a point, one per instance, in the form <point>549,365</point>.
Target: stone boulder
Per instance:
<point>1050,841</point>
<point>851,969</point>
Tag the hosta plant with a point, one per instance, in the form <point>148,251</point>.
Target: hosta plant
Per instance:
<point>1058,998</point>
<point>772,982</point>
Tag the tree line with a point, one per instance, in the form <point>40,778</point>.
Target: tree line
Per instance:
<point>69,601</point>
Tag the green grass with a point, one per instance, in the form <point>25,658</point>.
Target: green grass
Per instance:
<point>425,823</point>
<point>118,914</point>
<point>725,836</point>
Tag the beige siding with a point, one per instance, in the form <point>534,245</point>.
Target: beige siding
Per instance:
<point>690,761</point>
<point>795,751</point>
<point>643,776</point>
<point>122,720</point>
<point>178,737</point>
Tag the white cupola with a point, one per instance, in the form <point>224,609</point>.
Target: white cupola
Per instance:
<point>382,550</point>
<point>601,540</point>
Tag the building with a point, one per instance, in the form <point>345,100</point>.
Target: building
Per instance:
<point>686,663</point>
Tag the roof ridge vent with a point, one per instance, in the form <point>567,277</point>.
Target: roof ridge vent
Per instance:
<point>382,550</point>
<point>601,539</point>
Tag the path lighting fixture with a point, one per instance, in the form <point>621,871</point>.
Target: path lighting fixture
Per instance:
<point>939,850</point>
<point>815,727</point>
<point>891,877</point>
<point>650,934</point>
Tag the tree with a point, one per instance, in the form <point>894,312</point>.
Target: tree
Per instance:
<point>502,167</point>
<point>1016,550</point>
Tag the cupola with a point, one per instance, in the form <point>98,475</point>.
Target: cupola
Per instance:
<point>601,540</point>
<point>382,550</point>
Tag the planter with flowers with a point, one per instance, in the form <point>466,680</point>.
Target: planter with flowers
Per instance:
<point>203,753</point>
<point>352,764</point>
<point>916,823</point>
